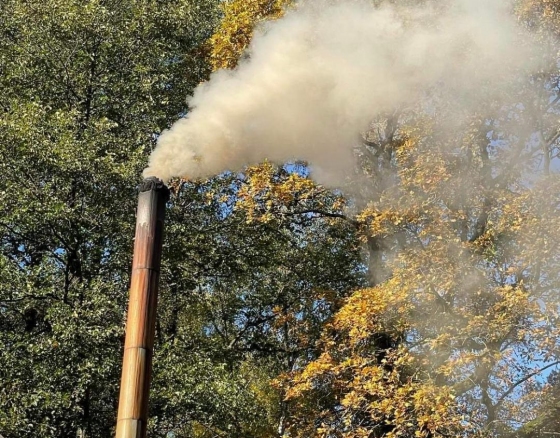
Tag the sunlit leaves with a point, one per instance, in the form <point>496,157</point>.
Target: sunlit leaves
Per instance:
<point>85,87</point>
<point>236,28</point>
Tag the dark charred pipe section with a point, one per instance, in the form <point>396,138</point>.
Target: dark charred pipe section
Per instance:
<point>141,320</point>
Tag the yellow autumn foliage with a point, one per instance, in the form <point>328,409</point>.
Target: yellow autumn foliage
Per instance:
<point>464,306</point>
<point>236,28</point>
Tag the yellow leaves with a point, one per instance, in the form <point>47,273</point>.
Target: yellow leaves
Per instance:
<point>368,311</point>
<point>421,167</point>
<point>383,222</point>
<point>373,381</point>
<point>440,409</point>
<point>236,29</point>
<point>378,394</point>
<point>541,13</point>
<point>209,197</point>
<point>302,382</point>
<point>269,193</point>
<point>467,255</point>
<point>352,400</point>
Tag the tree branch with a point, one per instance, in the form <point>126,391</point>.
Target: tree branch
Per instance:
<point>523,380</point>
<point>354,222</point>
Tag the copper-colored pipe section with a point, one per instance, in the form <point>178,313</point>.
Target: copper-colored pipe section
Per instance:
<point>140,324</point>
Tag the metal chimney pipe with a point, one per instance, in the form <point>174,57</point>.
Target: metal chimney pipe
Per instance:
<point>140,325</point>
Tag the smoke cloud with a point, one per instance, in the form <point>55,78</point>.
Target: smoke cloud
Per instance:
<point>315,79</point>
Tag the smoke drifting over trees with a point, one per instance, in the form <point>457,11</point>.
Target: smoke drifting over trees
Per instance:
<point>419,300</point>
<point>456,201</point>
<point>314,79</point>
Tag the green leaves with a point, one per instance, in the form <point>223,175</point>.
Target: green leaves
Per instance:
<point>265,273</point>
<point>240,303</point>
<point>85,88</point>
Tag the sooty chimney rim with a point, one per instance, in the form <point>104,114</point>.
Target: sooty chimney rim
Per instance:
<point>153,183</point>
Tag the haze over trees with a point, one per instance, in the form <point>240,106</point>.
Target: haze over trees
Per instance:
<point>420,301</point>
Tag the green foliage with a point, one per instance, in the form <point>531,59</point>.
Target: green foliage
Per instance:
<point>454,301</point>
<point>241,302</point>
<point>84,88</point>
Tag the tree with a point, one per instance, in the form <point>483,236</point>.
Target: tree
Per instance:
<point>82,107</point>
<point>466,239</point>
<point>460,236</point>
<point>243,299</point>
<point>422,303</point>
<point>85,86</point>
<point>233,35</point>
<point>546,423</point>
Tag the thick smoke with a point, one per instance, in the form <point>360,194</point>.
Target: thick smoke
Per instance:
<point>315,79</point>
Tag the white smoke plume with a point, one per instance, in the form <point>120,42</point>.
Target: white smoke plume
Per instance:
<point>314,79</point>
